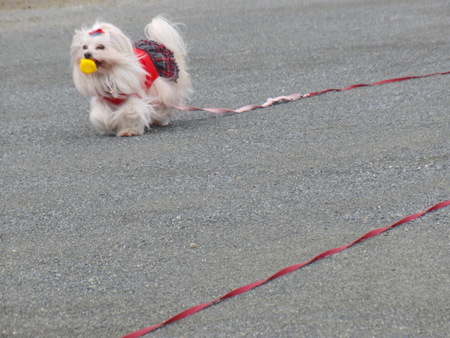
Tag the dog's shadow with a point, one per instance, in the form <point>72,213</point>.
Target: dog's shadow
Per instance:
<point>188,123</point>
<point>179,124</point>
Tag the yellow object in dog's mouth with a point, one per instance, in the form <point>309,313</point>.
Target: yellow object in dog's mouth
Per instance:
<point>88,66</point>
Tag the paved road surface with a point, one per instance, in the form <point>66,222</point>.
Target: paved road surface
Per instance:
<point>96,231</point>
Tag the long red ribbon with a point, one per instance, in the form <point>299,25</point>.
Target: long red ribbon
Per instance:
<point>295,97</point>
<point>241,290</point>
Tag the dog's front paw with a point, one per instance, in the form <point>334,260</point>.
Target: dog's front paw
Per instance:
<point>129,133</point>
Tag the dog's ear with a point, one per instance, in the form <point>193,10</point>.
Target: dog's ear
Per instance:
<point>77,36</point>
<point>76,44</point>
<point>76,39</point>
<point>117,38</point>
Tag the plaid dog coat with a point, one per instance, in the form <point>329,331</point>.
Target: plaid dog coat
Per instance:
<point>162,58</point>
<point>157,60</point>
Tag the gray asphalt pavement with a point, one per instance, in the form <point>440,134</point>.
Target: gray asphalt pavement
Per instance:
<point>96,231</point>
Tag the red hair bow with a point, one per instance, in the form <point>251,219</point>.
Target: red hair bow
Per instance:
<point>97,32</point>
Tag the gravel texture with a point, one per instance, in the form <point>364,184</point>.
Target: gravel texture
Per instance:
<point>101,235</point>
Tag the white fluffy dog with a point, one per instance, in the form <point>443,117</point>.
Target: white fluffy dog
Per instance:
<point>132,85</point>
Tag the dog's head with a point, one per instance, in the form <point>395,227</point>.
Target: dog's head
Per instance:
<point>104,44</point>
<point>113,54</point>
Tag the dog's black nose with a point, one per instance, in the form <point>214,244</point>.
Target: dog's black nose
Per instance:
<point>88,55</point>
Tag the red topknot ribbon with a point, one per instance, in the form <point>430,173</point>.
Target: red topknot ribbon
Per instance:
<point>97,32</point>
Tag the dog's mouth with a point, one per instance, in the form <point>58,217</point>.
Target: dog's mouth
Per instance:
<point>98,63</point>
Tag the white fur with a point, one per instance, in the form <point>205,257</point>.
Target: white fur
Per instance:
<point>120,70</point>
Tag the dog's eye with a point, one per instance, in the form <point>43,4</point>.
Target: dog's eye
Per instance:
<point>101,47</point>
<point>84,47</point>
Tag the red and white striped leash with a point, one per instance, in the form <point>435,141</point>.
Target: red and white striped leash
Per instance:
<point>295,97</point>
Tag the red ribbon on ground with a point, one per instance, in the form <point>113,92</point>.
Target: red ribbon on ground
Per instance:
<point>292,268</point>
<point>295,97</point>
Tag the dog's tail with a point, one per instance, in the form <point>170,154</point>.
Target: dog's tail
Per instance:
<point>163,31</point>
